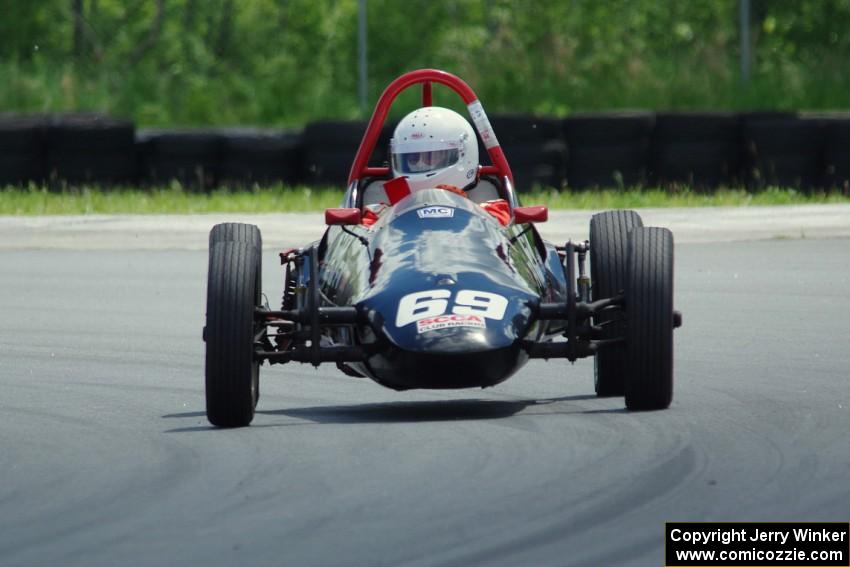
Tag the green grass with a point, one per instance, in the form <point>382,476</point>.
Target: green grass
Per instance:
<point>175,199</point>
<point>646,198</point>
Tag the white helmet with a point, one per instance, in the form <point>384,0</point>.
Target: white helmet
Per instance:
<point>434,146</point>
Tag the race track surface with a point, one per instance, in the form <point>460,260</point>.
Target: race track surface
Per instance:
<point>107,458</point>
<point>280,230</point>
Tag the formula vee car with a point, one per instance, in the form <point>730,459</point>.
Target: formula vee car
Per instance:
<point>438,291</point>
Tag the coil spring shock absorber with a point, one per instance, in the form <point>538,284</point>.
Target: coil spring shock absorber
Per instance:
<point>292,260</point>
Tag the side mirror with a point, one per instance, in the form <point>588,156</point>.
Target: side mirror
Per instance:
<point>537,213</point>
<point>342,216</point>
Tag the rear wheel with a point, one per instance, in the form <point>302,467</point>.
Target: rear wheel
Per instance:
<point>609,240</point>
<point>649,304</point>
<point>233,293</point>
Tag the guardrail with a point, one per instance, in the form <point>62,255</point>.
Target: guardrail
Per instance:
<point>702,150</point>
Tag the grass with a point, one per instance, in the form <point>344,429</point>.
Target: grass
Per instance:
<point>654,197</point>
<point>174,199</point>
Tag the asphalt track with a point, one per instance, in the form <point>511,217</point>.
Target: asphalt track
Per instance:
<point>107,458</point>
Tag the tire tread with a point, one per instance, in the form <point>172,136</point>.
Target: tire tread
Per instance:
<point>232,294</point>
<point>609,240</point>
<point>649,336</point>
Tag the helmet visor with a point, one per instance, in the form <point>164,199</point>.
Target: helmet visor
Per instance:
<point>423,162</point>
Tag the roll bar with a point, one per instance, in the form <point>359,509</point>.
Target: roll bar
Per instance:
<point>360,168</point>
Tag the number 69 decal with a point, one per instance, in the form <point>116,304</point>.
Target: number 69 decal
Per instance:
<point>435,302</point>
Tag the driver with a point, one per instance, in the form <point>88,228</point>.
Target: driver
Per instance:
<point>434,147</point>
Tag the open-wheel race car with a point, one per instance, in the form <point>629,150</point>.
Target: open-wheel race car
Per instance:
<point>421,281</point>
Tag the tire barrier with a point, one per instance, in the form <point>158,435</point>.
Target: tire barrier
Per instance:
<point>22,149</point>
<point>698,149</point>
<point>192,157</point>
<point>534,147</point>
<point>837,153</point>
<point>90,149</point>
<point>607,150</point>
<point>264,157</point>
<point>329,149</point>
<point>783,151</point>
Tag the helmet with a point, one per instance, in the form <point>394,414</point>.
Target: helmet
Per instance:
<point>434,146</point>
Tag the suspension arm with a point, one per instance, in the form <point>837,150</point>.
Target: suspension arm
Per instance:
<point>584,310</point>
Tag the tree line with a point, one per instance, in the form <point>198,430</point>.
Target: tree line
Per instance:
<point>168,62</point>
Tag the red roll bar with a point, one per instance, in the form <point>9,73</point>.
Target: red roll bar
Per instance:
<point>360,167</point>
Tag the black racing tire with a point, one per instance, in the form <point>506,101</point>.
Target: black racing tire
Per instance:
<point>609,246</point>
<point>236,232</point>
<point>232,372</point>
<point>649,304</point>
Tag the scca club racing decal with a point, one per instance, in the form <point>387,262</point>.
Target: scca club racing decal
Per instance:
<point>435,212</point>
<point>447,321</point>
<point>430,309</point>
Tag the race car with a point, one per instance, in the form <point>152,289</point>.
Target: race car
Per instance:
<point>419,283</point>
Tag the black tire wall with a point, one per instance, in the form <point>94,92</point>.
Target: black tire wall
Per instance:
<point>698,149</point>
<point>534,147</point>
<point>329,149</point>
<point>837,153</point>
<point>22,149</point>
<point>783,150</point>
<point>192,157</point>
<point>702,150</point>
<point>607,150</point>
<point>90,149</point>
<point>259,156</point>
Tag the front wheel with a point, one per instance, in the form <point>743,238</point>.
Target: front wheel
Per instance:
<point>649,308</point>
<point>232,372</point>
<point>609,246</point>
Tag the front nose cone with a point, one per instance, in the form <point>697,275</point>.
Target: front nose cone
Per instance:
<point>402,370</point>
<point>448,319</point>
